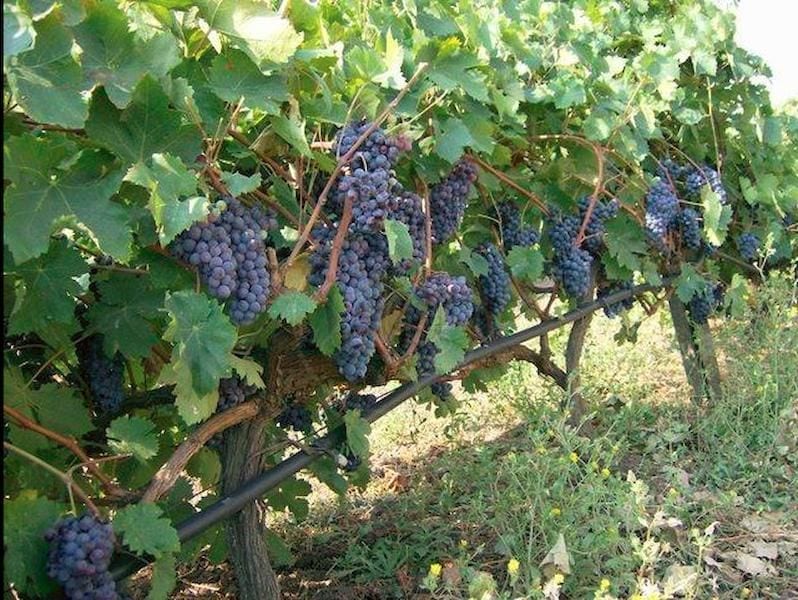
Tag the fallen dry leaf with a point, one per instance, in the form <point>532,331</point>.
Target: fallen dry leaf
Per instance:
<point>754,566</point>
<point>764,549</point>
<point>558,559</point>
<point>679,580</point>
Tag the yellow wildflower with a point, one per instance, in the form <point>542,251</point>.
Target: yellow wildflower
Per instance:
<point>512,567</point>
<point>558,578</point>
<point>541,450</point>
<point>435,570</point>
<point>555,512</point>
<point>605,472</point>
<point>573,457</point>
<point>604,585</point>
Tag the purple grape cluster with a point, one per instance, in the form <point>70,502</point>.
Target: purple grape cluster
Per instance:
<point>514,232</point>
<point>570,266</point>
<point>452,293</point>
<point>662,210</point>
<point>748,246</point>
<point>232,392</point>
<point>296,417</point>
<point>690,226</point>
<point>355,401</point>
<point>361,266</point>
<point>495,286</point>
<point>80,552</point>
<point>669,168</point>
<point>426,366</point>
<point>448,200</point>
<point>378,151</point>
<point>594,230</point>
<point>616,308</point>
<point>229,252</point>
<point>104,376</point>
<point>409,211</point>
<point>705,302</point>
<point>698,178</point>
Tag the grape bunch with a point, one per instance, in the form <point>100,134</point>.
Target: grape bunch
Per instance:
<point>748,246</point>
<point>570,266</point>
<point>662,210</point>
<point>229,252</point>
<point>410,212</point>
<point>378,151</point>
<point>296,417</point>
<point>361,266</point>
<point>80,552</point>
<point>616,308</point>
<point>698,178</point>
<point>355,401</point>
<point>669,168</point>
<point>448,200</point>
<point>232,392</point>
<point>452,293</point>
<point>690,226</point>
<point>104,376</point>
<point>704,302</point>
<point>594,230</point>
<point>484,324</point>
<point>495,286</point>
<point>426,366</point>
<point>514,232</point>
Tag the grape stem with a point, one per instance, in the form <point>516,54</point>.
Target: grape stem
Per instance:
<point>268,160</point>
<point>66,479</point>
<point>344,160</point>
<point>335,252</point>
<point>509,182</point>
<point>68,443</point>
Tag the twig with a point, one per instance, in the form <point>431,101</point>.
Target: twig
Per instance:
<point>335,252</point>
<point>166,476</point>
<point>66,479</point>
<point>68,443</point>
<point>411,349</point>
<point>385,352</point>
<point>427,230</point>
<point>268,160</point>
<point>273,204</point>
<point>531,196</point>
<point>344,160</point>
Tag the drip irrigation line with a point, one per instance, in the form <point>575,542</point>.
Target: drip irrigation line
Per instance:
<point>258,486</point>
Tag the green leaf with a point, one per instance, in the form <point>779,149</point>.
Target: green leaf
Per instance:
<point>525,263</point>
<point>147,126</point>
<point>115,57</point>
<point>203,340</point>
<point>736,296</point>
<point>716,216</point>
<point>451,343</point>
<point>46,81</point>
<point>453,138</point>
<point>598,125</point>
<point>475,261</point>
<point>167,179</point>
<point>25,519</point>
<point>250,371</point>
<point>239,184</point>
<point>292,132</point>
<point>291,494</point>
<point>279,553</point>
<point>292,307</point>
<point>400,244</point>
<point>689,283</point>
<point>123,314</point>
<point>254,28</point>
<point>625,242</point>
<point>326,323</point>
<point>18,31</point>
<point>326,471</point>
<point>392,77</point>
<point>205,465</point>
<point>454,73</point>
<point>145,530</point>
<point>164,577</point>
<point>357,431</point>
<point>41,197</point>
<point>133,435</point>
<point>47,289</point>
<point>234,76</point>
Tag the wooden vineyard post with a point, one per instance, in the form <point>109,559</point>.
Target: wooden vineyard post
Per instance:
<point>573,356</point>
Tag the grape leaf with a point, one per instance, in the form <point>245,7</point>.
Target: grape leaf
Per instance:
<point>326,323</point>
<point>47,81</point>
<point>736,295</point>
<point>192,406</point>
<point>133,435</point>
<point>41,197</point>
<point>716,216</point>
<point>203,339</point>
<point>689,283</point>
<point>293,132</point>
<point>400,244</point>
<point>205,465</point>
<point>290,494</point>
<point>18,31</point>
<point>164,577</point>
<point>451,343</point>
<point>525,263</point>
<point>115,57</point>
<point>326,471</point>
<point>357,431</point>
<point>25,519</point>
<point>240,184</point>
<point>292,307</point>
<point>296,277</point>
<point>279,552</point>
<point>625,242</point>
<point>47,289</point>
<point>146,127</point>
<point>234,76</point>
<point>248,370</point>
<point>123,314</point>
<point>454,136</point>
<point>145,530</point>
<point>453,73</point>
<point>475,261</point>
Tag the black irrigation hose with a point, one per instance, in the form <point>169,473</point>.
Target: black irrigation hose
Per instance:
<point>258,486</point>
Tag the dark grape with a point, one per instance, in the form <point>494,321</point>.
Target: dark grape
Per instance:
<point>570,266</point>
<point>452,293</point>
<point>670,168</point>
<point>704,302</point>
<point>607,289</point>
<point>426,366</point>
<point>514,232</point>
<point>662,210</point>
<point>410,212</point>
<point>495,286</point>
<point>296,417</point>
<point>378,151</point>
<point>594,231</point>
<point>448,200</point>
<point>80,552</point>
<point>232,392</point>
<point>748,245</point>
<point>690,226</point>
<point>355,401</point>
<point>104,376</point>
<point>698,178</point>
